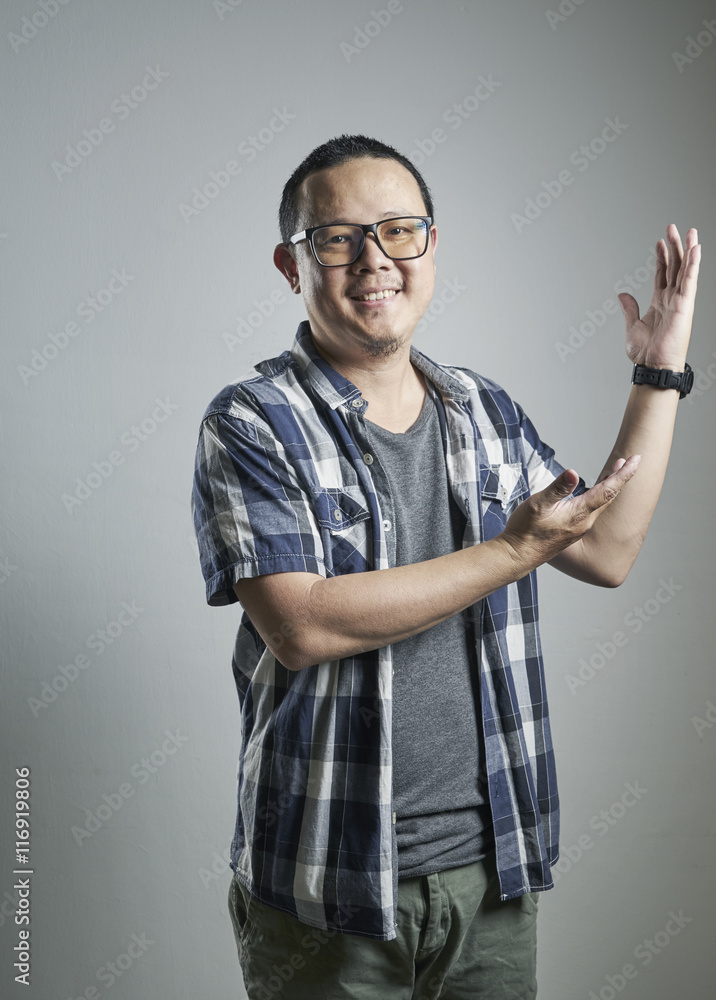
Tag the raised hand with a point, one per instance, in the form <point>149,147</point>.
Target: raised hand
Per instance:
<point>660,338</point>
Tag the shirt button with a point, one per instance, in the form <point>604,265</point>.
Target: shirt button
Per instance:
<point>368,458</point>
<point>338,514</point>
<point>357,403</point>
<point>387,525</point>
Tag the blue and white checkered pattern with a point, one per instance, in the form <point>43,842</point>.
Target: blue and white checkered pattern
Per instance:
<point>283,483</point>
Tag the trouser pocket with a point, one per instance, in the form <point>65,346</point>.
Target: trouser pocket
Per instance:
<point>239,911</point>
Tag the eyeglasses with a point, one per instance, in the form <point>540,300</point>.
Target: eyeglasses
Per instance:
<point>401,238</point>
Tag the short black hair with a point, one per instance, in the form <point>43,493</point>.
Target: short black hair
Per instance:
<point>330,154</point>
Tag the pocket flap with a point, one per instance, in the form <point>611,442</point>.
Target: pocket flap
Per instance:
<point>505,483</point>
<point>337,510</point>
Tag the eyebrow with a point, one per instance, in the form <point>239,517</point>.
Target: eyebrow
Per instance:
<point>393,213</point>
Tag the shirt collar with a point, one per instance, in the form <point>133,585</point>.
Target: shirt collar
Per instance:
<point>335,389</point>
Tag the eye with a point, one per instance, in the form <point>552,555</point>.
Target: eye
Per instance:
<point>335,237</point>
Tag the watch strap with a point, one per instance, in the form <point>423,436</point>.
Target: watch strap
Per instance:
<point>664,378</point>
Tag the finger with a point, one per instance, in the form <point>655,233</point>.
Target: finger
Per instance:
<point>660,280</point>
<point>624,469</point>
<point>675,253</point>
<point>690,268</point>
<point>614,468</point>
<point>630,308</point>
<point>604,492</point>
<point>688,243</point>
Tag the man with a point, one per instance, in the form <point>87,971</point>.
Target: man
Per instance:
<point>380,518</point>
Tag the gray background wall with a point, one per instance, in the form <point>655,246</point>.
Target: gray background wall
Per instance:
<point>106,413</point>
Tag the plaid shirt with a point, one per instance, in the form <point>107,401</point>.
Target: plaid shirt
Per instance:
<point>283,483</point>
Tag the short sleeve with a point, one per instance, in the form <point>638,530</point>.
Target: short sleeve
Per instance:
<point>250,514</point>
<point>542,466</point>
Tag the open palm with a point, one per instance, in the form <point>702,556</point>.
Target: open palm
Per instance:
<point>660,338</point>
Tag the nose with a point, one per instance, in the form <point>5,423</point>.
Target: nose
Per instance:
<point>372,257</point>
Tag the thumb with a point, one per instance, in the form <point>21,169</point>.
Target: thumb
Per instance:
<point>563,485</point>
<point>630,307</point>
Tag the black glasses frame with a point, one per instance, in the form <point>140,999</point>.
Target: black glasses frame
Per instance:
<point>307,234</point>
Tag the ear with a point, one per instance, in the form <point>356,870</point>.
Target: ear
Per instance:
<point>285,262</point>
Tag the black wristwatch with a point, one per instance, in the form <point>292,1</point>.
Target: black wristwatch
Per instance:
<point>664,378</point>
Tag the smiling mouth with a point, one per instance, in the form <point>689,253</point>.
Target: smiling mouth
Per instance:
<point>387,293</point>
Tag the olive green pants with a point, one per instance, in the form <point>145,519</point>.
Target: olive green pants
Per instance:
<point>456,941</point>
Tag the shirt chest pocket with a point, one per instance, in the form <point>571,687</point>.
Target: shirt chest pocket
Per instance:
<point>339,509</point>
<point>504,488</point>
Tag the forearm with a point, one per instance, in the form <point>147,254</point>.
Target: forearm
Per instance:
<point>608,550</point>
<point>346,615</point>
<point>307,619</point>
<point>659,340</point>
<point>350,614</point>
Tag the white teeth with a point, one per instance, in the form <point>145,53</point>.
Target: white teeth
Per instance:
<point>372,296</point>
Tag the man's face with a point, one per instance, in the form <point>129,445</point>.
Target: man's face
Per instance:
<point>364,191</point>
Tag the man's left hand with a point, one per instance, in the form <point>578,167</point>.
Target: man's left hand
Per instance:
<point>660,338</point>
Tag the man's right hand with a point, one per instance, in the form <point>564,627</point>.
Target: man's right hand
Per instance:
<point>306,619</point>
<point>548,522</point>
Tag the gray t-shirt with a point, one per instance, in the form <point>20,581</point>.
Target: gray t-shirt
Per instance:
<point>443,816</point>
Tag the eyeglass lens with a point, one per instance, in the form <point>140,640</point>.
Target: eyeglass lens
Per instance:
<point>398,238</point>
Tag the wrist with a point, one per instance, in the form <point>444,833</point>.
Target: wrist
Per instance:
<point>517,556</point>
<point>674,363</point>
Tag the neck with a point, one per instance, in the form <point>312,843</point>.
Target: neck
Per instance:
<point>391,385</point>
